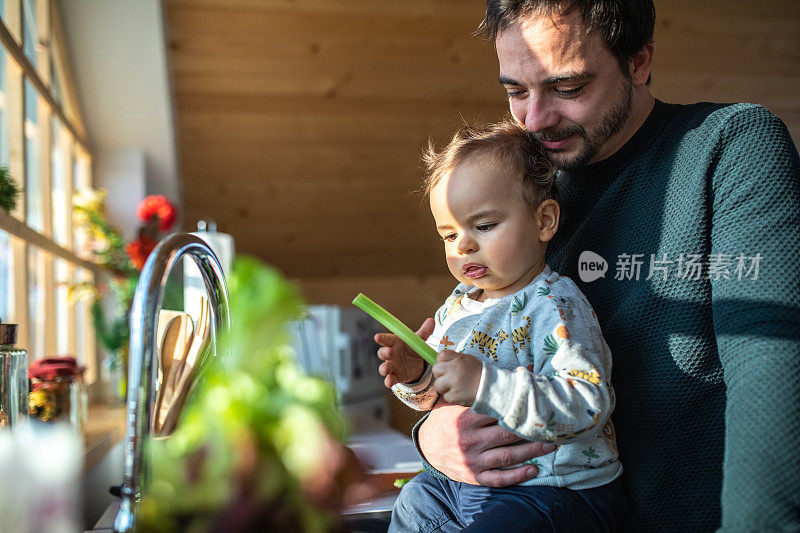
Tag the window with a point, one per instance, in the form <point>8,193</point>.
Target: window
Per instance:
<point>3,113</point>
<point>30,34</point>
<point>43,145</point>
<point>33,177</point>
<point>6,268</point>
<point>61,189</point>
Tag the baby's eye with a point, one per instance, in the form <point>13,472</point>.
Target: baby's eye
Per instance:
<point>485,227</point>
<point>449,237</point>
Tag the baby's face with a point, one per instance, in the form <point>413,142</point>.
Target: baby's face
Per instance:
<point>491,237</point>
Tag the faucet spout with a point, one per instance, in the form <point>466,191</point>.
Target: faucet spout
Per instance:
<point>142,359</point>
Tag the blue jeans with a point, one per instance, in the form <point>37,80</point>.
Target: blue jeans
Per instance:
<point>427,504</point>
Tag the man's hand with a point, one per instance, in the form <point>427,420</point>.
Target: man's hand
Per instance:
<point>472,448</point>
<point>457,377</point>
<point>401,364</point>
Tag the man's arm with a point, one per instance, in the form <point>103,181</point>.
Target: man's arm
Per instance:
<point>756,191</point>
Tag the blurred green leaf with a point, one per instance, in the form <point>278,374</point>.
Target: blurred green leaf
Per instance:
<point>8,191</point>
<point>253,428</point>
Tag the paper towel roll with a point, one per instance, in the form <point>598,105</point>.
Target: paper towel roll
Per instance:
<point>193,287</point>
<point>222,246</point>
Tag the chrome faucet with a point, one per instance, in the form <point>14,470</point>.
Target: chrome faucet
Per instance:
<point>143,357</point>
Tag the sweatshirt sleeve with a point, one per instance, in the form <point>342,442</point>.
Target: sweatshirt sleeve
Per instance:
<point>565,389</point>
<point>754,271</point>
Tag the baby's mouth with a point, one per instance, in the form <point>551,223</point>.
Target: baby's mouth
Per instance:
<point>474,270</point>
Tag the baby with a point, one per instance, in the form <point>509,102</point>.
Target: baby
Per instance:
<point>516,342</point>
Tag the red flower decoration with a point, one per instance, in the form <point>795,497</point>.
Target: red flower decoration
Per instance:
<point>158,207</point>
<point>139,249</point>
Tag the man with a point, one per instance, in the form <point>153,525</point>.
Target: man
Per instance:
<point>697,209</point>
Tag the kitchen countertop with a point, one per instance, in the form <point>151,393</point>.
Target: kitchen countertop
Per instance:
<point>103,429</point>
<point>387,454</point>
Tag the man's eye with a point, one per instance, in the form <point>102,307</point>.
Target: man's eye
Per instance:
<point>450,237</point>
<point>514,93</point>
<point>485,227</point>
<point>568,92</point>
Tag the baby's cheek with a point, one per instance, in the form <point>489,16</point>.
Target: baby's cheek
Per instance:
<point>454,266</point>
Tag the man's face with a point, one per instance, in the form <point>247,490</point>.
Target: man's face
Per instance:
<point>565,86</point>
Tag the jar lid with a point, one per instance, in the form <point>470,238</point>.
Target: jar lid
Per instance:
<point>8,333</point>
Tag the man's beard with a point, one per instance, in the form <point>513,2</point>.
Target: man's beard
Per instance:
<point>610,124</point>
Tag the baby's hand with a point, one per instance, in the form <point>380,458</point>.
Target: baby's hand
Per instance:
<point>457,377</point>
<point>400,363</point>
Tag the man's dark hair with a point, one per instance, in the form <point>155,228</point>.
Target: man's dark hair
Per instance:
<point>625,25</point>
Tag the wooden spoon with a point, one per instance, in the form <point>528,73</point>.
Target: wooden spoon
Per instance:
<point>195,358</point>
<point>168,324</point>
<point>165,337</point>
<point>172,354</point>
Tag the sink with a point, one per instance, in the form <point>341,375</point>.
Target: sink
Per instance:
<point>384,452</point>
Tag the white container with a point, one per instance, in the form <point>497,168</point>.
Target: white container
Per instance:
<point>39,468</point>
<point>336,343</point>
<point>193,287</point>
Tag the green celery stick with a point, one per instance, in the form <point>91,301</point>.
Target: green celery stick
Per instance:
<point>395,326</point>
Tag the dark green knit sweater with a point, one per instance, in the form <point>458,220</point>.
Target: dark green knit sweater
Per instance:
<point>707,370</point>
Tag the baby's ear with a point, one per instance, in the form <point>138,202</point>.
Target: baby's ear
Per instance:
<point>548,214</point>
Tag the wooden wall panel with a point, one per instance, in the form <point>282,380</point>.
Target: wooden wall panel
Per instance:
<point>723,51</point>
<point>301,124</point>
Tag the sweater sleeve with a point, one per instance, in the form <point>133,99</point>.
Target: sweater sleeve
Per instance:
<point>565,390</point>
<point>754,271</point>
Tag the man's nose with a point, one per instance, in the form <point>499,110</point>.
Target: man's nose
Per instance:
<point>539,114</point>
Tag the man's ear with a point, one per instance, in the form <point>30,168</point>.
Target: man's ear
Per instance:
<point>548,214</point>
<point>641,64</point>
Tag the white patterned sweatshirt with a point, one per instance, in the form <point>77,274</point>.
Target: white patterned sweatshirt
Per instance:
<point>546,373</point>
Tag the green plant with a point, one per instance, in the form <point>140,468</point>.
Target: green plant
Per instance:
<point>122,262</point>
<point>8,191</point>
<point>249,448</point>
<point>106,247</point>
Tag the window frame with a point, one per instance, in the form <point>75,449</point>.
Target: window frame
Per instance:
<point>50,59</point>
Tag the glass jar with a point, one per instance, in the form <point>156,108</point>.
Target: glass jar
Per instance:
<point>57,390</point>
<point>13,378</point>
<point>113,373</point>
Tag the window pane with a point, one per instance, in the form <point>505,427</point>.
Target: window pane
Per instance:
<point>30,30</point>
<point>63,280</point>
<point>55,84</point>
<point>79,182</point>
<point>81,172</point>
<point>33,185</point>
<point>36,309</point>
<point>61,200</point>
<point>4,150</point>
<point>82,321</point>
<point>6,279</point>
